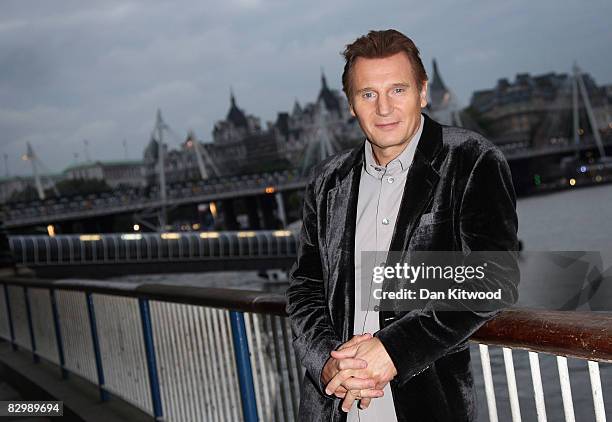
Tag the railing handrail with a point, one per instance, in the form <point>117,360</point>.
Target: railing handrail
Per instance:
<point>582,335</point>
<point>254,301</point>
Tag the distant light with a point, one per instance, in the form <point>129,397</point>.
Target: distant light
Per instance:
<point>537,180</point>
<point>598,178</point>
<point>282,233</point>
<point>209,235</point>
<point>195,226</point>
<point>246,234</point>
<point>572,181</point>
<point>131,236</point>
<point>213,209</point>
<point>51,230</point>
<point>610,125</point>
<point>581,131</point>
<point>583,169</point>
<point>170,236</point>
<point>89,237</point>
<point>270,189</point>
<point>25,157</point>
<point>136,227</point>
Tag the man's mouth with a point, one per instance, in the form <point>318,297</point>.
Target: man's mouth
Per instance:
<point>387,126</point>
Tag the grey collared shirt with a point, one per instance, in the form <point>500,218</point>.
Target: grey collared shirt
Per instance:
<point>380,193</point>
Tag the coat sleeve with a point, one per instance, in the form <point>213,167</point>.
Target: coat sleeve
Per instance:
<point>487,222</point>
<point>313,335</point>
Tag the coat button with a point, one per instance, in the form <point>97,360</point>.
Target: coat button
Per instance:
<point>390,180</point>
<point>385,221</point>
<point>376,308</point>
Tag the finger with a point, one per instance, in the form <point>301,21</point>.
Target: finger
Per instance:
<point>348,401</point>
<point>349,352</point>
<point>358,383</point>
<point>340,392</point>
<point>356,340</point>
<point>337,381</point>
<point>367,393</point>
<point>364,403</point>
<point>350,363</point>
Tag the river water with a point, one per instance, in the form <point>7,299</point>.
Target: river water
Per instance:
<point>571,220</point>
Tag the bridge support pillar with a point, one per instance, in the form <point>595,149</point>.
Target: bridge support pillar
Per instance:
<point>229,215</point>
<point>280,206</point>
<point>268,208</point>
<point>253,212</point>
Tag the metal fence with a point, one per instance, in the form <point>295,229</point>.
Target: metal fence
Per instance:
<point>190,354</point>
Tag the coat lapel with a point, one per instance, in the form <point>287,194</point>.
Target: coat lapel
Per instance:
<point>340,232</point>
<point>421,182</point>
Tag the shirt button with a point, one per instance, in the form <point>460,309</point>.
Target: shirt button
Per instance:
<point>390,180</point>
<point>378,168</point>
<point>385,221</point>
<point>376,308</point>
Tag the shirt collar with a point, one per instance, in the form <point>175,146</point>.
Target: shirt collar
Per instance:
<point>404,158</point>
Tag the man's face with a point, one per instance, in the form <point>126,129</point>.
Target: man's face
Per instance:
<point>386,99</point>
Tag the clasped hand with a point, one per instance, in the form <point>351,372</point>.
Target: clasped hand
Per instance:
<point>358,370</point>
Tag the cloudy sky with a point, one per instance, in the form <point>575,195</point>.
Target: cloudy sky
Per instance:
<point>72,70</point>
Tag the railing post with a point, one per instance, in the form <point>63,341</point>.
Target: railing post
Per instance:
<point>243,365</point>
<point>58,334</point>
<point>147,332</point>
<point>10,317</point>
<point>30,325</point>
<point>96,346</point>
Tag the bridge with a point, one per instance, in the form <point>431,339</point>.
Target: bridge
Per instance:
<point>273,185</point>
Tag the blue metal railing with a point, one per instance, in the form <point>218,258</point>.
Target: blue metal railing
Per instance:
<point>186,353</point>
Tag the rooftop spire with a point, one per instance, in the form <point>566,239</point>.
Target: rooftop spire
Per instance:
<point>232,98</point>
<point>323,80</point>
<point>437,83</point>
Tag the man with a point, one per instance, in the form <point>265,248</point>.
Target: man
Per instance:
<point>412,185</point>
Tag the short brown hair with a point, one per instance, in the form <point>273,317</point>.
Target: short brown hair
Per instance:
<point>381,44</point>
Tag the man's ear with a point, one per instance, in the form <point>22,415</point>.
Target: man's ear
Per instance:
<point>352,110</point>
<point>423,95</point>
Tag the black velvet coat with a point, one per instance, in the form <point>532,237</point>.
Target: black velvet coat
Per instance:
<point>458,196</point>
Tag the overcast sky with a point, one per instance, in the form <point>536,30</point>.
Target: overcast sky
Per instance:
<point>72,70</point>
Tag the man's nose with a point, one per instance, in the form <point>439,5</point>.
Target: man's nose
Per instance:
<point>383,106</point>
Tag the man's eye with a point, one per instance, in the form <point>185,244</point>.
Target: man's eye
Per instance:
<point>399,90</point>
<point>368,95</point>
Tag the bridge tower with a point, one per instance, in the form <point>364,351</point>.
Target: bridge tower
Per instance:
<point>158,133</point>
<point>579,88</point>
<point>320,142</point>
<point>31,156</point>
<point>206,165</point>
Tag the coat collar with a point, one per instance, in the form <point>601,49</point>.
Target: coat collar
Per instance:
<point>430,144</point>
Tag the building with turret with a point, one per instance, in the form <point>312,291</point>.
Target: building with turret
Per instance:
<point>236,126</point>
<point>296,139</point>
<point>536,111</point>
